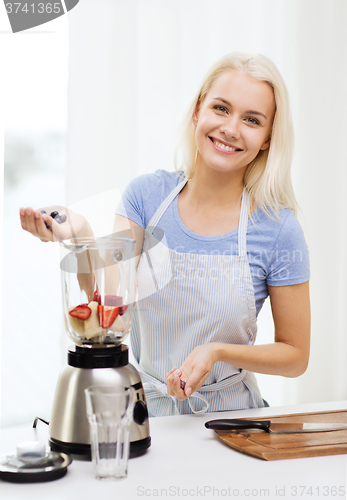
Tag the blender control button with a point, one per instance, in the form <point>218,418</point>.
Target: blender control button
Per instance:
<point>117,255</point>
<point>140,413</point>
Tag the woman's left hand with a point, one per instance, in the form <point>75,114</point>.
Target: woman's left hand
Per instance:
<point>194,371</point>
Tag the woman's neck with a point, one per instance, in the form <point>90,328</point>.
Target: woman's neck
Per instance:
<point>209,189</point>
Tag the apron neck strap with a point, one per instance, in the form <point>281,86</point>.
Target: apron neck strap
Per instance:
<point>243,222</point>
<point>163,207</point>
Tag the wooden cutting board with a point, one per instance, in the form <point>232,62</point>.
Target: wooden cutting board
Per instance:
<point>267,446</point>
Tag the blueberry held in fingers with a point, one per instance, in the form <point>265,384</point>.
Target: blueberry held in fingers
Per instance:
<point>47,226</point>
<point>58,218</point>
<point>62,218</point>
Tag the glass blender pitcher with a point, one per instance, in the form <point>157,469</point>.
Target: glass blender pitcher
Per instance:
<point>98,280</point>
<point>99,293</point>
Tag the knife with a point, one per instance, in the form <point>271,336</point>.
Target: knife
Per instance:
<point>228,425</point>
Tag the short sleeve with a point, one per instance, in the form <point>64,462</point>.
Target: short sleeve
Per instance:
<point>135,200</point>
<point>289,259</point>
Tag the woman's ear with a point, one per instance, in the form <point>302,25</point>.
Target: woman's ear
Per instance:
<point>266,144</point>
<point>195,117</point>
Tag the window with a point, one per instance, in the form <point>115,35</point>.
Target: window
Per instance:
<point>36,65</point>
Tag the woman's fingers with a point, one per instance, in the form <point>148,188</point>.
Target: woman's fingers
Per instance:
<point>173,384</point>
<point>24,214</point>
<point>173,381</point>
<point>28,221</point>
<point>43,232</point>
<point>34,221</point>
<point>194,372</point>
<point>68,225</point>
<point>195,382</point>
<point>171,371</point>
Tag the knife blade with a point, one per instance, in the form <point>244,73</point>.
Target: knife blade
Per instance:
<point>227,425</point>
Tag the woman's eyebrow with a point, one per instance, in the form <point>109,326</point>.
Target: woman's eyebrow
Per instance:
<point>249,111</point>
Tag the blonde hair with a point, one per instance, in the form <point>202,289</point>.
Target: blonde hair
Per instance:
<point>267,178</point>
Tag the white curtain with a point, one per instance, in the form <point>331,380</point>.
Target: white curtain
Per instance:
<point>134,67</point>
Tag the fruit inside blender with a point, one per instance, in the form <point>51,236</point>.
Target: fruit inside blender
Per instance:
<point>95,312</point>
<point>95,319</point>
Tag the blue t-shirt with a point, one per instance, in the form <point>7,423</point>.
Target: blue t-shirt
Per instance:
<point>276,250</point>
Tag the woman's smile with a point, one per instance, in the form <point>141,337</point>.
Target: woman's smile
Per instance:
<point>222,147</point>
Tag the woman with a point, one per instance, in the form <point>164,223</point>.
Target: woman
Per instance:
<point>231,239</point>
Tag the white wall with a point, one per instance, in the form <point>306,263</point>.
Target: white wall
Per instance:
<point>135,65</point>
<point>321,131</point>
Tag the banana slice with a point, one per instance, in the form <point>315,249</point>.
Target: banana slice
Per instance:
<point>77,325</point>
<point>92,327</point>
<point>118,324</point>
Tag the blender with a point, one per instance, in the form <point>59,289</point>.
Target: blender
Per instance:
<point>99,294</point>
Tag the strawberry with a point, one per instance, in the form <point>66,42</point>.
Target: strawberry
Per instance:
<point>81,312</point>
<point>122,310</point>
<point>96,296</point>
<point>107,315</point>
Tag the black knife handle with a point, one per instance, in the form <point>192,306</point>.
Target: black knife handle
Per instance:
<point>236,425</point>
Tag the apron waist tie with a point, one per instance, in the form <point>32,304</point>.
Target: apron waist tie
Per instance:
<point>155,389</point>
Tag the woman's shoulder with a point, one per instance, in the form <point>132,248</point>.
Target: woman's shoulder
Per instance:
<point>160,182</point>
<point>278,237</point>
<point>286,224</point>
<point>144,194</point>
<point>285,232</point>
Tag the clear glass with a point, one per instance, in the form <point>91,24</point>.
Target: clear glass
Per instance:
<point>110,412</point>
<point>98,281</point>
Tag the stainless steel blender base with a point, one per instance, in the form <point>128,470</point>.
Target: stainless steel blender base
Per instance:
<point>69,427</point>
<point>83,451</point>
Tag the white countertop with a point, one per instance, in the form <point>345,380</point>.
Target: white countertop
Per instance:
<point>186,460</point>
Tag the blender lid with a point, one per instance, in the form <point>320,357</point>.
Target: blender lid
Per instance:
<point>86,242</point>
<point>32,464</point>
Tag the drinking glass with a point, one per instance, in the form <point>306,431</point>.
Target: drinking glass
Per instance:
<point>110,413</point>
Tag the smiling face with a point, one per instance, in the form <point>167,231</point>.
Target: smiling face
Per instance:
<point>234,122</point>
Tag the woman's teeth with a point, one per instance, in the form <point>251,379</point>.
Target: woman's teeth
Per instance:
<point>223,146</point>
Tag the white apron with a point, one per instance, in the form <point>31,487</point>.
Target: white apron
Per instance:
<point>186,300</point>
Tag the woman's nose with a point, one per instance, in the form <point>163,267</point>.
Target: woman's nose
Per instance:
<point>231,128</point>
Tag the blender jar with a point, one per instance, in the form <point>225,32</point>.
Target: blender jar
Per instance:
<point>98,281</point>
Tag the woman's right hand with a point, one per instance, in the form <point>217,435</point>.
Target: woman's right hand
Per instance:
<point>33,221</point>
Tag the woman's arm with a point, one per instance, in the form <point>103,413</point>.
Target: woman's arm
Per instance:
<point>76,226</point>
<point>287,356</point>
<point>129,229</point>
<point>122,228</point>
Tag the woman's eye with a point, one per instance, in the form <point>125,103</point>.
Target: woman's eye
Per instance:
<point>222,108</point>
<point>253,120</point>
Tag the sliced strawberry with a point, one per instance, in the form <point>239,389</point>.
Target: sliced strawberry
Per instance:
<point>81,312</point>
<point>122,310</point>
<point>107,315</point>
<point>96,296</point>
